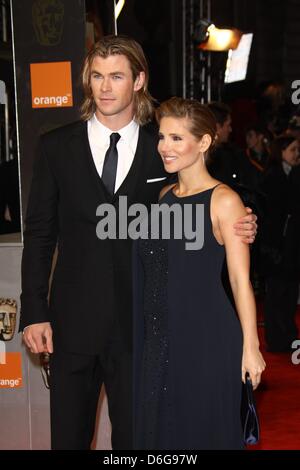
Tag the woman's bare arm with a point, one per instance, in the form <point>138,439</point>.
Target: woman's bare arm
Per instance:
<point>227,207</point>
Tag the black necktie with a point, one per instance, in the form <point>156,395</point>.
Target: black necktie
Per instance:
<point>110,164</point>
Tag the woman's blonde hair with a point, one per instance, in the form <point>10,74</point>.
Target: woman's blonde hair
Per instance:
<point>119,45</point>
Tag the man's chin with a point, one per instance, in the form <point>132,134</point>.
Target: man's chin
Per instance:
<point>107,112</point>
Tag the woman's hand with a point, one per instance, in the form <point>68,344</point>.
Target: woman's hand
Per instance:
<point>254,363</point>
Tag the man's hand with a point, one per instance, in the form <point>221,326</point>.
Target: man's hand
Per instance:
<point>246,227</point>
<point>38,337</point>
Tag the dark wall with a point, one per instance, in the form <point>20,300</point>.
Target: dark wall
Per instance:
<point>276,43</point>
<point>157,26</point>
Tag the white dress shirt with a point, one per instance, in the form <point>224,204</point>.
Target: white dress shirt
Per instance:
<point>286,167</point>
<point>99,140</point>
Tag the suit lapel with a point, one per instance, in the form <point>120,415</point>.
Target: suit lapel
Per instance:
<point>80,148</point>
<point>144,155</point>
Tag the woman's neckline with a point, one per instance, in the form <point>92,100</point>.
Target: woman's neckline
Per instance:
<point>194,194</point>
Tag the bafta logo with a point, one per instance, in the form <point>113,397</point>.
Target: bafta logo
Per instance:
<point>47,17</point>
<point>8,315</point>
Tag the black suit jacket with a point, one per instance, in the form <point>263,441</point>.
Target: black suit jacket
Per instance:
<point>280,225</point>
<point>91,292</point>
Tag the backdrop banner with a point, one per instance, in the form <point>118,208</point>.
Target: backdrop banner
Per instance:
<point>49,42</point>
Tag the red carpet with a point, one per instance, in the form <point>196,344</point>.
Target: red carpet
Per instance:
<point>278,401</point>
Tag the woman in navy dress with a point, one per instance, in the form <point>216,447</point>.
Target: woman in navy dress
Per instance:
<point>192,348</point>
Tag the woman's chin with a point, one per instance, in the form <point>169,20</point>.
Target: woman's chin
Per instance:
<point>170,168</point>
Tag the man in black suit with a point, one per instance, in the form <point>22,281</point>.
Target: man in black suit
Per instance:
<point>110,152</point>
<point>227,162</point>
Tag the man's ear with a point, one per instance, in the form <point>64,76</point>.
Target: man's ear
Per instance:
<point>139,81</point>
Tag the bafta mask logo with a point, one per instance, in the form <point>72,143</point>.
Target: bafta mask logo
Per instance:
<point>10,362</point>
<point>47,17</point>
<point>8,317</point>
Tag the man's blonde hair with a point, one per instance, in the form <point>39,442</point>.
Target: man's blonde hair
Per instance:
<point>119,45</point>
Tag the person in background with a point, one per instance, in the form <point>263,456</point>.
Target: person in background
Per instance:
<point>257,147</point>
<point>294,126</point>
<point>280,244</point>
<point>227,162</point>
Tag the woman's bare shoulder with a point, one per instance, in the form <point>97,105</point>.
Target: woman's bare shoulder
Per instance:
<point>226,199</point>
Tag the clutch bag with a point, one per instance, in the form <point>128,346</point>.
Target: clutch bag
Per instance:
<point>249,416</point>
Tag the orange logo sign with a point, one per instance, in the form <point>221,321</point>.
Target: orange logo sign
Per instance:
<point>10,369</point>
<point>51,85</point>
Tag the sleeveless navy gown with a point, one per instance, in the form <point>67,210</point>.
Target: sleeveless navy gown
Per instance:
<point>188,343</point>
